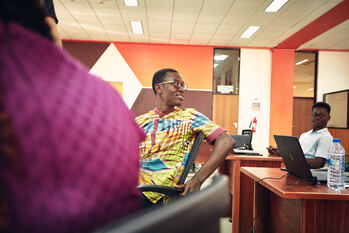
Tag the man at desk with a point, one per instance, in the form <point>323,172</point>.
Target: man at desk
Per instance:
<point>316,142</point>
<point>170,132</point>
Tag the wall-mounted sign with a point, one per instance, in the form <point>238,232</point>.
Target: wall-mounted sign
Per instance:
<point>256,105</point>
<point>225,89</point>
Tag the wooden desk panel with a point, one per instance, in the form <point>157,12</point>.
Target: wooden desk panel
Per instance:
<point>300,208</point>
<point>240,186</point>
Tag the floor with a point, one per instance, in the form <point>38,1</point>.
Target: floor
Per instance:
<point>225,225</point>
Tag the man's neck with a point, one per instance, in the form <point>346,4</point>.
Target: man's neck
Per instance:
<point>163,108</point>
<point>317,129</point>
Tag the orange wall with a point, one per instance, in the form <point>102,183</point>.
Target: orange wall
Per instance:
<point>281,96</point>
<point>194,63</point>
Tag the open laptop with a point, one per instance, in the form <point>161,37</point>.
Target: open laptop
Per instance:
<point>295,162</point>
<point>241,141</point>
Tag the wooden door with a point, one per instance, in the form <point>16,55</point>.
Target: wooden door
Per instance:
<point>225,112</point>
<point>302,115</point>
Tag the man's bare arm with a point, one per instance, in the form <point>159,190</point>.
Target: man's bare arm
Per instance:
<point>54,32</point>
<point>223,145</point>
<point>316,162</point>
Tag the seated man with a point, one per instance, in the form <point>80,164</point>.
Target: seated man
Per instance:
<point>316,142</point>
<point>170,132</point>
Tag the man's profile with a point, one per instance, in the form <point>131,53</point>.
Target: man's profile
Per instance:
<point>170,132</point>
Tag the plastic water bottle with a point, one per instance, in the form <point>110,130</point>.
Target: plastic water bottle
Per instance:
<point>335,171</point>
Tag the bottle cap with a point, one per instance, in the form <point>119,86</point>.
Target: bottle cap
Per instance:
<point>336,140</point>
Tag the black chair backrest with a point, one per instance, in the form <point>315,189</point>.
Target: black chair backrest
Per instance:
<point>171,191</point>
<point>197,212</point>
<point>248,132</point>
<point>192,156</point>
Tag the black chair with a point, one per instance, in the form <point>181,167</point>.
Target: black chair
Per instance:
<point>249,133</point>
<point>196,212</point>
<point>170,191</point>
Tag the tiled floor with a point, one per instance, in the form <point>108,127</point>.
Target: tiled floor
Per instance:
<point>225,225</point>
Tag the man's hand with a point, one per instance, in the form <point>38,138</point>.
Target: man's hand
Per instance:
<point>190,186</point>
<point>273,150</point>
<point>223,145</point>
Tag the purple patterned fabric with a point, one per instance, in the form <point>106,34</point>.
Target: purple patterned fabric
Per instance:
<point>79,162</point>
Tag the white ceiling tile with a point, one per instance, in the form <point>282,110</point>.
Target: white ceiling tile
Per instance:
<point>214,22</point>
<point>341,45</point>
<point>159,16</point>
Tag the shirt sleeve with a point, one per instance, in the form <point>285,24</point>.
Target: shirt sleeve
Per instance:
<point>323,146</point>
<point>201,123</point>
<point>50,9</point>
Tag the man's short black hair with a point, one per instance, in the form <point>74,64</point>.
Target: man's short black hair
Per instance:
<point>160,75</point>
<point>322,105</point>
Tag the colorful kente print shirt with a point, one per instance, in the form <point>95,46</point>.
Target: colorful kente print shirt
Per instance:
<point>169,139</point>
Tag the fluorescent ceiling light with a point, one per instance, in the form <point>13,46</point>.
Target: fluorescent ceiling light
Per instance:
<point>275,5</point>
<point>215,65</point>
<point>131,2</point>
<point>249,31</point>
<point>220,57</point>
<point>136,27</point>
<point>310,89</point>
<point>301,62</point>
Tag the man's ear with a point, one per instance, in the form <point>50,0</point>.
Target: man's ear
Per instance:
<point>158,88</point>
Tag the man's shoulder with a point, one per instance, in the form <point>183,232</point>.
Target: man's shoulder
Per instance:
<point>148,115</point>
<point>326,134</point>
<point>189,110</point>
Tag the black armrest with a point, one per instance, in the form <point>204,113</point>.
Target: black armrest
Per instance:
<point>168,191</point>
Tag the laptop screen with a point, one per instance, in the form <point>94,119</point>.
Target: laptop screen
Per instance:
<point>293,156</point>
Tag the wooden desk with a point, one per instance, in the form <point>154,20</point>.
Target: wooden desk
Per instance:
<point>243,185</point>
<point>306,208</point>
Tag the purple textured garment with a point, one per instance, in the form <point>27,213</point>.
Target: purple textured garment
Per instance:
<point>79,143</point>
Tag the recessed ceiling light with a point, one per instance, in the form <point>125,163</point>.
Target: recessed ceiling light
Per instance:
<point>294,86</point>
<point>220,57</point>
<point>136,27</point>
<point>301,62</point>
<point>275,5</point>
<point>215,65</point>
<point>131,2</point>
<point>249,31</point>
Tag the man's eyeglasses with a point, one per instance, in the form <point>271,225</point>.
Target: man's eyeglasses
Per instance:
<point>177,84</point>
<point>321,115</point>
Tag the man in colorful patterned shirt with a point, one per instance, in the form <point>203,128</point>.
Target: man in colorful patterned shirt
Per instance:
<point>170,133</point>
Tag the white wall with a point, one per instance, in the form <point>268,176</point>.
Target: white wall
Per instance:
<point>255,76</point>
<point>111,66</point>
<point>333,72</point>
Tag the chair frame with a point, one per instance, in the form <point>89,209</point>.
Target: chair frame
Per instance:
<point>199,211</point>
<point>171,191</point>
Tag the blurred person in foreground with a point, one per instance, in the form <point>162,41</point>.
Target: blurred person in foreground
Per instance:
<point>170,133</point>
<point>68,144</point>
<point>316,142</point>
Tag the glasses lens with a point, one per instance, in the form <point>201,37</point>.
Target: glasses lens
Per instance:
<point>318,115</point>
<point>179,85</point>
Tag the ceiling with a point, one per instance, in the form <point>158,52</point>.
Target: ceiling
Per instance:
<point>197,22</point>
